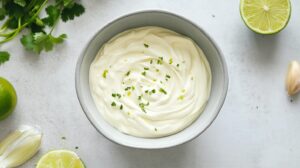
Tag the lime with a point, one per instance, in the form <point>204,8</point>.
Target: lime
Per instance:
<point>8,98</point>
<point>60,159</point>
<point>266,16</point>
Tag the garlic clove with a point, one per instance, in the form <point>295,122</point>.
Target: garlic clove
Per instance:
<point>293,78</point>
<point>19,146</point>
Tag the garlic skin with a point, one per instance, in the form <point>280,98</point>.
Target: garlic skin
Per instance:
<point>293,78</point>
<point>19,146</point>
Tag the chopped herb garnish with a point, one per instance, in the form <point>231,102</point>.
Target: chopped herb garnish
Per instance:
<point>104,74</point>
<point>162,91</point>
<point>154,80</point>
<point>157,70</point>
<point>64,138</point>
<point>121,107</point>
<point>129,93</point>
<point>127,88</point>
<point>113,104</point>
<point>181,97</point>
<point>142,106</point>
<point>144,73</point>
<point>161,58</point>
<point>153,90</point>
<point>177,65</point>
<point>132,88</point>
<point>140,97</point>
<point>146,45</point>
<point>151,61</point>
<point>116,95</point>
<point>168,76</point>
<point>128,73</point>
<point>146,91</point>
<point>146,68</point>
<point>170,61</point>
<point>159,61</point>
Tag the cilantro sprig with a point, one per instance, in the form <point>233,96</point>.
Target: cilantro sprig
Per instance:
<point>17,15</point>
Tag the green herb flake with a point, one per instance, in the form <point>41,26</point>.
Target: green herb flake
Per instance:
<point>151,61</point>
<point>144,73</point>
<point>113,104</point>
<point>128,93</point>
<point>118,95</point>
<point>181,97</point>
<point>121,107</point>
<point>157,70</point>
<point>177,65</point>
<point>153,90</point>
<point>162,91</point>
<point>155,129</point>
<point>161,58</point>
<point>140,97</point>
<point>104,74</point>
<point>146,68</point>
<point>146,45</point>
<point>146,91</point>
<point>142,106</point>
<point>132,88</point>
<point>127,88</point>
<point>114,95</point>
<point>168,76</point>
<point>128,73</point>
<point>170,61</point>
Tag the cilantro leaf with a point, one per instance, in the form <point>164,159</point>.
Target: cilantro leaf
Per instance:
<point>53,14</point>
<point>72,12</point>
<point>40,41</point>
<point>20,2</point>
<point>4,56</point>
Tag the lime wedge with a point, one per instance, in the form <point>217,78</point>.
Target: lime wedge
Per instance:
<point>266,16</point>
<point>60,159</point>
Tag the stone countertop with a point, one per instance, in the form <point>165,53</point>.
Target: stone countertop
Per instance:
<point>258,126</point>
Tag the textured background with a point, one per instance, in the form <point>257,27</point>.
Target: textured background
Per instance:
<point>258,126</point>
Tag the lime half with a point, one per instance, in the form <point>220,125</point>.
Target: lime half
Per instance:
<point>60,159</point>
<point>266,16</point>
<point>8,98</point>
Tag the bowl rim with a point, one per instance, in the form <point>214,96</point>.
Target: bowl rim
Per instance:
<point>214,44</point>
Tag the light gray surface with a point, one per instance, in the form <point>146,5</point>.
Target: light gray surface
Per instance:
<point>258,126</point>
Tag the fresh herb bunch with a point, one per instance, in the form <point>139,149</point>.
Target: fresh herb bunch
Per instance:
<point>17,15</point>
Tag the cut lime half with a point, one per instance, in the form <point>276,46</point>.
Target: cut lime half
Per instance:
<point>60,159</point>
<point>266,16</point>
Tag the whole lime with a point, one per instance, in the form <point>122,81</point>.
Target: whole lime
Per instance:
<point>8,98</point>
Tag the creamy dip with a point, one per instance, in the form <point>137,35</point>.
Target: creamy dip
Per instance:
<point>150,82</point>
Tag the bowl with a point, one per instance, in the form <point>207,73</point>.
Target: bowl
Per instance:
<point>166,20</point>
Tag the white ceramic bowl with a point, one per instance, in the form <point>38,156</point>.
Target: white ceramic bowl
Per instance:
<point>172,22</point>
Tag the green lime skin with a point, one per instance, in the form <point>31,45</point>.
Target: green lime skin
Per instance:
<point>8,98</point>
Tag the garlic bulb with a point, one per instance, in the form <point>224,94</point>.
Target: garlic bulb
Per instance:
<point>293,78</point>
<point>19,146</point>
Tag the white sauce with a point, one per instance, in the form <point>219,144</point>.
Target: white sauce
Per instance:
<point>169,66</point>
